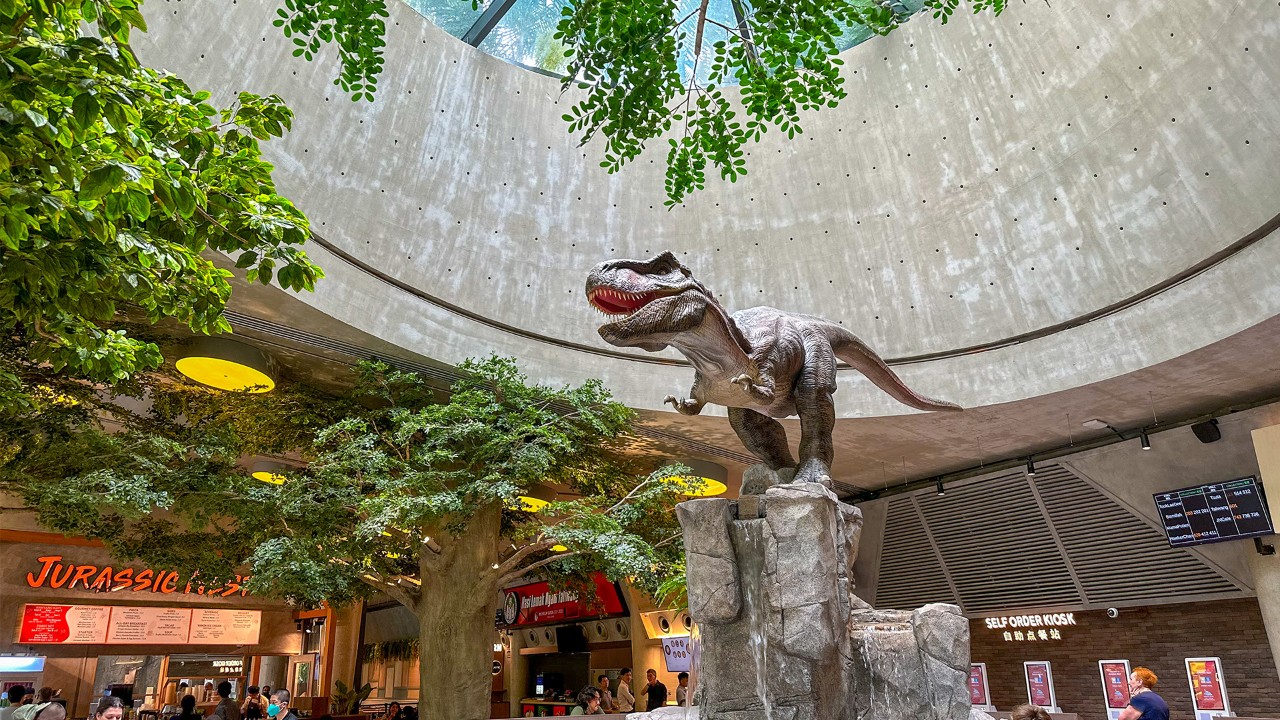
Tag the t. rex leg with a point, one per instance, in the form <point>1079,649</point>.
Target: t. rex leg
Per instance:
<point>763,436</point>
<point>812,395</point>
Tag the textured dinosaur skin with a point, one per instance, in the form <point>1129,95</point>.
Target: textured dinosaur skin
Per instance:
<point>761,363</point>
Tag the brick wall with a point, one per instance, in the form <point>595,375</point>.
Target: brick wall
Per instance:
<point>1157,637</point>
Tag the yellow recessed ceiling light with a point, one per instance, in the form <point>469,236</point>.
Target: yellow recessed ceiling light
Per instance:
<point>269,477</point>
<point>525,503</point>
<point>227,365</point>
<point>709,476</point>
<point>559,548</point>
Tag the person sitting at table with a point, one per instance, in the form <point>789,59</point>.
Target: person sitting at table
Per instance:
<point>588,702</point>
<point>394,712</point>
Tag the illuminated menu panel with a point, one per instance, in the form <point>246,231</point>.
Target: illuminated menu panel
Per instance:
<point>110,625</point>
<point>1214,512</point>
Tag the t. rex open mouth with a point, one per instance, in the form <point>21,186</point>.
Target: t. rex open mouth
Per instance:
<point>619,302</point>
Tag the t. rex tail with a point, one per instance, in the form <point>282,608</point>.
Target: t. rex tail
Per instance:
<point>850,349</point>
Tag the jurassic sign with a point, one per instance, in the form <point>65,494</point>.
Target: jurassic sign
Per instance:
<point>537,604</point>
<point>56,573</point>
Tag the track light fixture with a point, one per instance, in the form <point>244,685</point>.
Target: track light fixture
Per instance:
<point>1031,467</point>
<point>941,490</point>
<point>1146,441</point>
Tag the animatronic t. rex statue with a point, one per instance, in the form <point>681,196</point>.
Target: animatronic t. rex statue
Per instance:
<point>761,363</point>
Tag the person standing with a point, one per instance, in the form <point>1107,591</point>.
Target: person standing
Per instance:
<point>227,708</point>
<point>110,708</point>
<point>279,708</point>
<point>682,689</point>
<point>655,692</point>
<point>606,698</point>
<point>188,711</point>
<point>15,695</point>
<point>1029,712</point>
<point>626,702</point>
<point>254,705</point>
<point>1144,704</point>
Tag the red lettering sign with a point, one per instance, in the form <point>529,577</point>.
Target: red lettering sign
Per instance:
<point>537,604</point>
<point>56,574</point>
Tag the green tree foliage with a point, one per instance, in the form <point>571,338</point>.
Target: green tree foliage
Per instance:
<point>405,492</point>
<point>624,56</point>
<point>114,181</point>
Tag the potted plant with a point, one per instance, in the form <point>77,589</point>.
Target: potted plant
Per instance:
<point>344,703</point>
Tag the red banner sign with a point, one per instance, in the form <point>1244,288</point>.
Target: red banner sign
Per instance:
<point>537,604</point>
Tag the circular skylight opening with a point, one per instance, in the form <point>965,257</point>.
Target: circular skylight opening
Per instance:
<point>521,32</point>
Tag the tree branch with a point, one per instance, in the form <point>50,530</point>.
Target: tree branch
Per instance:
<point>397,593</point>
<point>519,555</point>
<point>512,577</point>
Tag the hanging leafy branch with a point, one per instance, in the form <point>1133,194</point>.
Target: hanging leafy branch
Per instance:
<point>114,181</point>
<point>624,56</point>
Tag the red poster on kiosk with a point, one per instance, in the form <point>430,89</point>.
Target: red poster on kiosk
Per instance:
<point>1207,691</point>
<point>1115,683</point>
<point>1039,684</point>
<point>978,684</point>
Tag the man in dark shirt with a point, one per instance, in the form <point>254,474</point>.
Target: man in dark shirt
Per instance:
<point>1144,704</point>
<point>656,691</point>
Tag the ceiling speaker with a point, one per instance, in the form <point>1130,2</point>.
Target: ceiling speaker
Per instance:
<point>1207,431</point>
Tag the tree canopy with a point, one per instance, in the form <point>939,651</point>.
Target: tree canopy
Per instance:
<point>115,179</point>
<point>394,488</point>
<point>623,58</point>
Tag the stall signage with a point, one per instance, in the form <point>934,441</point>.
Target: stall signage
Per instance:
<point>1001,622</point>
<point>675,651</point>
<point>537,604</point>
<point>114,625</point>
<point>1208,692</point>
<point>53,573</point>
<point>1115,685</point>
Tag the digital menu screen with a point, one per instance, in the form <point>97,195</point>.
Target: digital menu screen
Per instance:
<point>1214,512</point>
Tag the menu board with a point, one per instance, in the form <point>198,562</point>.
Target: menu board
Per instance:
<point>64,624</point>
<point>1214,512</point>
<point>1039,684</point>
<point>113,625</point>
<point>148,625</point>
<point>1115,683</point>
<point>675,650</point>
<point>1207,689</point>
<point>225,627</point>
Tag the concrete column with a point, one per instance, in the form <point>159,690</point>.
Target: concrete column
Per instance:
<point>517,674</point>
<point>1266,568</point>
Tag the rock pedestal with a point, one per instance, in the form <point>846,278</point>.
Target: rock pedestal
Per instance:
<point>782,635</point>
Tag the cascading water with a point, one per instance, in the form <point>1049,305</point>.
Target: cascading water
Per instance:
<point>754,601</point>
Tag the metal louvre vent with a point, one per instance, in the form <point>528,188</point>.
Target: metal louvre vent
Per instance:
<point>1097,534</point>
<point>910,574</point>
<point>997,547</point>
<point>1011,541</point>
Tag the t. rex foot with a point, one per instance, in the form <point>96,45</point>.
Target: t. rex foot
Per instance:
<point>684,406</point>
<point>748,384</point>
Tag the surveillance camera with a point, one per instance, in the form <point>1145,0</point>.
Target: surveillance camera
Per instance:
<point>1113,613</point>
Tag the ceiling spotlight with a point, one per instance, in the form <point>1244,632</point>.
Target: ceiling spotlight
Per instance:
<point>269,472</point>
<point>941,490</point>
<point>710,477</point>
<point>1031,467</point>
<point>227,365</point>
<point>1146,441</point>
<point>559,548</point>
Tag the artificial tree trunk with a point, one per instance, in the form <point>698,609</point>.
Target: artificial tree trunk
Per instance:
<point>456,622</point>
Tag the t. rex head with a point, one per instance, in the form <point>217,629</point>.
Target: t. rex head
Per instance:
<point>646,296</point>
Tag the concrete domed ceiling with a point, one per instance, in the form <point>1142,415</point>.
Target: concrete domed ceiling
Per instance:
<point>1023,204</point>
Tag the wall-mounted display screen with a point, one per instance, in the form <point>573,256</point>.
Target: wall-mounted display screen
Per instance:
<point>1214,512</point>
